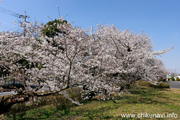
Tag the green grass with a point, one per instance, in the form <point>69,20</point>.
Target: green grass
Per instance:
<point>139,100</point>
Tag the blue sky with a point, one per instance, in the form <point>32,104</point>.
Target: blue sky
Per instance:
<point>160,19</point>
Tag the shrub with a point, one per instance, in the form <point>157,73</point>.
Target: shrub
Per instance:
<point>75,93</point>
<point>60,102</point>
<point>172,78</point>
<point>177,79</point>
<point>43,100</point>
<point>161,79</point>
<point>144,83</point>
<point>160,85</point>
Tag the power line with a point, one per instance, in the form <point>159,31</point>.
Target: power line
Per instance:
<point>6,27</point>
<point>10,29</point>
<point>13,13</point>
<point>6,11</point>
<point>58,10</point>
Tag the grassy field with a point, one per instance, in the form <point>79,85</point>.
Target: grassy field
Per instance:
<point>138,101</point>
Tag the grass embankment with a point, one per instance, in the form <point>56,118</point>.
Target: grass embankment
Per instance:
<point>139,100</point>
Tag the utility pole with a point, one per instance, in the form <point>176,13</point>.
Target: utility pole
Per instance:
<point>18,16</point>
<point>25,16</point>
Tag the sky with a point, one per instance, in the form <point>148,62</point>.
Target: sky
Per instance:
<point>160,19</point>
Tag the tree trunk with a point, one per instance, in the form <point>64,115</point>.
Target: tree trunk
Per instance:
<point>7,103</point>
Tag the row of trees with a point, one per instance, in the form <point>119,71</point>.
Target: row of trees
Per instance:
<point>60,56</point>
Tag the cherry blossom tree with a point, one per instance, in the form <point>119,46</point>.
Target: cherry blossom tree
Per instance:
<point>45,61</point>
<point>102,63</point>
<point>119,59</point>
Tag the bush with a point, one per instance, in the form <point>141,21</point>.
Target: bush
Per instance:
<point>172,78</point>
<point>144,83</point>
<point>177,79</point>
<point>161,79</point>
<point>75,94</point>
<point>43,101</point>
<point>160,85</point>
<point>60,102</point>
